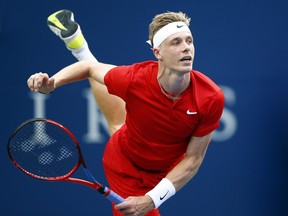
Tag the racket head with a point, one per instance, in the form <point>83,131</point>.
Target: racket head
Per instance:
<point>44,149</point>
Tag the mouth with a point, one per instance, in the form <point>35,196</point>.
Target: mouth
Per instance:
<point>186,59</point>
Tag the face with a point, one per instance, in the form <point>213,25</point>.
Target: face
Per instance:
<point>177,52</point>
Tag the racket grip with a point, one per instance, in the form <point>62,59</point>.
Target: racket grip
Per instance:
<point>114,197</point>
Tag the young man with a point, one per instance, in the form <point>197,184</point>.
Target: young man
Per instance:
<point>171,112</point>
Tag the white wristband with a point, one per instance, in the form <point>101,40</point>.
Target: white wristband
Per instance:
<point>161,192</point>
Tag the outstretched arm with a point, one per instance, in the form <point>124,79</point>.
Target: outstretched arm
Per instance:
<point>41,82</point>
<point>178,177</point>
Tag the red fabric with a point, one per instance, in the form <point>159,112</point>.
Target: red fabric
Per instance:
<point>123,177</point>
<point>157,130</point>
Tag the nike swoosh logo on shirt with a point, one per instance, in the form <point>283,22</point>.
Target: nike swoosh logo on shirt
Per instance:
<point>191,113</point>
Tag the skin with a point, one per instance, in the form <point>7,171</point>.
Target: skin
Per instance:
<point>173,76</point>
<point>112,107</point>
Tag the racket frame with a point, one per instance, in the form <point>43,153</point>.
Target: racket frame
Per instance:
<point>105,191</point>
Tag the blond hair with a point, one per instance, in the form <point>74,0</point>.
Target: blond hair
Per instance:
<point>161,20</point>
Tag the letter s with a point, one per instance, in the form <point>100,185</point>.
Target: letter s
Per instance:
<point>228,119</point>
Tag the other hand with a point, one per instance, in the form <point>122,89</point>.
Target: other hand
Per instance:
<point>40,82</point>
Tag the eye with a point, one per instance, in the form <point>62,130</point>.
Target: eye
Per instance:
<point>189,41</point>
<point>175,42</point>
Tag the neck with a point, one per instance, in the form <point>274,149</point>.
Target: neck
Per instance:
<point>173,83</point>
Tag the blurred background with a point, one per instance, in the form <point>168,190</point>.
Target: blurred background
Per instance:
<point>241,45</point>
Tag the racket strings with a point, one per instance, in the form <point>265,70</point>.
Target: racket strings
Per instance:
<point>42,155</point>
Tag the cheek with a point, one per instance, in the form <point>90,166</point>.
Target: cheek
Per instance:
<point>171,59</point>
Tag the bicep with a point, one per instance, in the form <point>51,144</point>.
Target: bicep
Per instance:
<point>99,70</point>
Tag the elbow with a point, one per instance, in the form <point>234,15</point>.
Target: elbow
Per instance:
<point>90,67</point>
<point>194,164</point>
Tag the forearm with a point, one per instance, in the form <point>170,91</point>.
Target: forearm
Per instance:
<point>187,168</point>
<point>174,180</point>
<point>73,73</point>
<point>181,174</point>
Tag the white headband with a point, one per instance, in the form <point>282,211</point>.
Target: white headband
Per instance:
<point>168,30</point>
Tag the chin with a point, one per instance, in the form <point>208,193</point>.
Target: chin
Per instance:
<point>186,65</point>
<point>186,68</point>
<point>183,68</point>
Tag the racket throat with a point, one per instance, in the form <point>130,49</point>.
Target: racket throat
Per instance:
<point>102,189</point>
<point>105,191</point>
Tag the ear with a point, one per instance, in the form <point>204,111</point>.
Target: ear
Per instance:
<point>157,53</point>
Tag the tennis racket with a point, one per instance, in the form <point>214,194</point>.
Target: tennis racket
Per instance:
<point>46,150</point>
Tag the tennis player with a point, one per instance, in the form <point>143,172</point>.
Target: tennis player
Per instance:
<point>170,111</point>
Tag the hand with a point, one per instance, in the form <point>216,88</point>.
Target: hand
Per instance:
<point>136,206</point>
<point>40,82</point>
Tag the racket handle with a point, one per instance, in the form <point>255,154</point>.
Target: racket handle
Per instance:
<point>113,197</point>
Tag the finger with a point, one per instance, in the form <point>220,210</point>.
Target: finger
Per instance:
<point>122,205</point>
<point>31,81</point>
<point>40,80</point>
<point>35,83</point>
<point>125,210</point>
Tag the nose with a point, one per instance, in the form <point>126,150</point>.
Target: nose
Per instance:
<point>187,46</point>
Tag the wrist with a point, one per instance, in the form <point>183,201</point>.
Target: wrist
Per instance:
<point>161,192</point>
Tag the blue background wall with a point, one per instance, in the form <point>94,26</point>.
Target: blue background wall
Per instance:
<point>242,45</point>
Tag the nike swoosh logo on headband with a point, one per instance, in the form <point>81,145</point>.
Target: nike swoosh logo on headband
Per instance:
<point>180,26</point>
